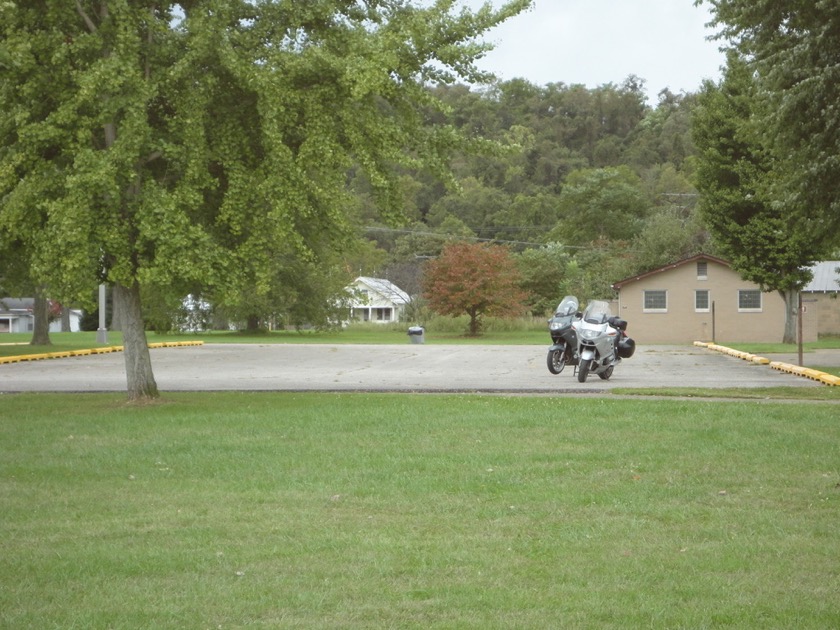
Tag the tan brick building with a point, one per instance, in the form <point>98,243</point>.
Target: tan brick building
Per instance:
<point>821,298</point>
<point>702,299</point>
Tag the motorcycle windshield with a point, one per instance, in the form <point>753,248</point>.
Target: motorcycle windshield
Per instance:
<point>569,305</point>
<point>597,312</point>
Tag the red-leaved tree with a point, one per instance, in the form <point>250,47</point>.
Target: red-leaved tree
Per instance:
<point>474,278</point>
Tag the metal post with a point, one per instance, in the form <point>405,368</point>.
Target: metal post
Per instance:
<point>799,326</point>
<point>713,322</point>
<point>102,331</point>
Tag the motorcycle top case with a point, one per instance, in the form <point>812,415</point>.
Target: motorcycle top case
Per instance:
<point>626,347</point>
<point>617,322</point>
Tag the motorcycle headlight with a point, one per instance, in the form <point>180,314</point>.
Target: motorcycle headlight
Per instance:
<point>555,326</point>
<point>589,334</point>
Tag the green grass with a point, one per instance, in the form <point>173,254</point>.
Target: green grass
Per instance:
<point>755,393</point>
<point>238,510</point>
<point>444,332</point>
<point>825,343</point>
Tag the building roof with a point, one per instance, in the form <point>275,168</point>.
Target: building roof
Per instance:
<point>679,263</point>
<point>16,305</point>
<point>826,277</point>
<point>386,288</point>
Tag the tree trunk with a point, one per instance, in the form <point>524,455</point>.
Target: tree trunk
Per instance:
<point>253,323</point>
<point>41,327</point>
<point>475,322</point>
<point>116,315</point>
<point>791,298</point>
<point>138,362</point>
<point>65,319</point>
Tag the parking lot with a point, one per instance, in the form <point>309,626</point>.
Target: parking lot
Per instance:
<point>391,368</point>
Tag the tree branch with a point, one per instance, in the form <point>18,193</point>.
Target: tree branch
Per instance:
<point>91,26</point>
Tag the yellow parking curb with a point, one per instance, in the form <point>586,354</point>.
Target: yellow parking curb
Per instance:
<point>88,351</point>
<point>746,356</point>
<point>816,375</point>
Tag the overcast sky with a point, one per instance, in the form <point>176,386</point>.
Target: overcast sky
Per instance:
<point>594,42</point>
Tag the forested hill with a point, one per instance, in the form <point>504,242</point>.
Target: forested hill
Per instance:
<point>594,179</point>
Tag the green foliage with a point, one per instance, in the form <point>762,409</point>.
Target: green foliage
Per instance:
<point>544,273</point>
<point>736,174</point>
<point>595,169</point>
<point>207,145</point>
<point>793,48</point>
<point>669,234</point>
<point>599,204</point>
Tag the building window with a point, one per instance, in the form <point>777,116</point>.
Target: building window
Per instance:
<point>655,301</point>
<point>702,270</point>
<point>382,314</point>
<point>701,301</point>
<point>749,301</point>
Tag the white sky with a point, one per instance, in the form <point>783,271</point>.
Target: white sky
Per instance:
<point>594,42</point>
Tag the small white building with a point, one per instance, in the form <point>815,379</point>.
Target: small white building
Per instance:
<point>16,316</point>
<point>376,300</point>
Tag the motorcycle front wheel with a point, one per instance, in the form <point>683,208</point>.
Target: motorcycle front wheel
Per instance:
<point>556,362</point>
<point>583,370</point>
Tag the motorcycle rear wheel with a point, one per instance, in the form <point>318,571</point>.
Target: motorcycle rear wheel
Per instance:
<point>556,361</point>
<point>583,370</point>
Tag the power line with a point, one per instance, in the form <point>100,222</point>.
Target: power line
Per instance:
<point>371,228</point>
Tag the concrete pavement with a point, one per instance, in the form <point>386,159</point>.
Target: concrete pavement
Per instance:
<point>399,368</point>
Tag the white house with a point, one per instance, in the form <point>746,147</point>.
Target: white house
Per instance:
<point>376,300</point>
<point>16,317</point>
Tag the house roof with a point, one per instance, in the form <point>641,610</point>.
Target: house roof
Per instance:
<point>385,288</point>
<point>16,304</point>
<point>826,277</point>
<point>679,263</point>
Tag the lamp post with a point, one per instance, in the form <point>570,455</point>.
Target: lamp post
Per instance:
<point>102,331</point>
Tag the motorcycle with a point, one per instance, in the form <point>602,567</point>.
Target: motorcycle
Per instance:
<point>594,341</point>
<point>564,348</point>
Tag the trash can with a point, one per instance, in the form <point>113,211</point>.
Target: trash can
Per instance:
<point>416,334</point>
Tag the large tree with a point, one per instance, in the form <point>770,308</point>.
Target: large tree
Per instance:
<point>794,48</point>
<point>736,176</point>
<point>543,273</point>
<point>475,279</point>
<point>598,204</point>
<point>182,144</point>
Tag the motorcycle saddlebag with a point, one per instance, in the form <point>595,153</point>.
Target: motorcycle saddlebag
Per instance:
<point>626,347</point>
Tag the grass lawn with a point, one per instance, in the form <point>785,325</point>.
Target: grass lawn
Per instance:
<point>233,510</point>
<point>12,344</point>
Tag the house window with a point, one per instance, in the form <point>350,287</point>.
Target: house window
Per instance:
<point>702,270</point>
<point>701,301</point>
<point>655,301</point>
<point>382,314</point>
<point>749,301</point>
